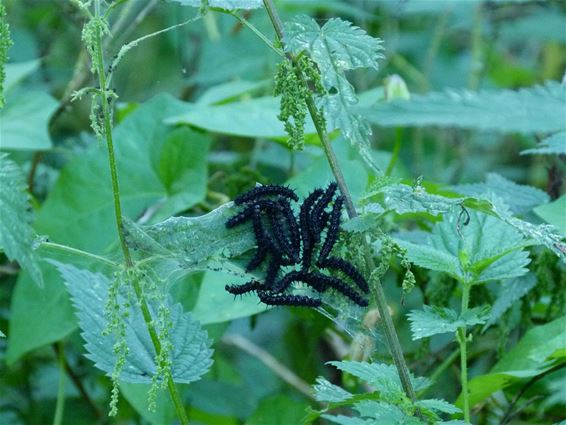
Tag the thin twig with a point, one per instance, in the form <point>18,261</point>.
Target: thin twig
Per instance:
<point>271,362</point>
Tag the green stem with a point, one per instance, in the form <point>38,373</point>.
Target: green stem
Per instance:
<point>99,62</point>
<point>440,370</point>
<point>462,337</point>
<point>476,65</point>
<point>381,301</point>
<point>70,250</point>
<point>60,406</point>
<point>396,151</point>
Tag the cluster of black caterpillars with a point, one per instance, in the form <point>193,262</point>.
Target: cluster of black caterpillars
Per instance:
<point>296,249</point>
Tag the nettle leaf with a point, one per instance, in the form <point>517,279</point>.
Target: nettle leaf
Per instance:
<point>190,353</point>
<point>406,199</point>
<point>553,213</point>
<point>16,234</point>
<point>438,405</point>
<point>552,145</point>
<point>403,198</point>
<point>486,249</point>
<point>528,110</point>
<point>328,392</point>
<point>337,47</point>
<point>510,291</point>
<point>542,234</point>
<point>223,4</point>
<point>519,198</point>
<point>383,378</point>
<point>190,243</point>
<point>388,403</point>
<point>439,320</point>
<point>385,413</point>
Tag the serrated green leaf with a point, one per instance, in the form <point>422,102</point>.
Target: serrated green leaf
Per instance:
<point>403,198</point>
<point>542,234</point>
<point>16,234</point>
<point>379,412</point>
<point>337,47</point>
<point>431,258</point>
<point>439,320</point>
<point>438,405</point>
<point>485,249</point>
<point>552,145</point>
<point>190,356</point>
<point>519,198</point>
<point>328,392</point>
<point>554,213</point>
<point>383,378</point>
<point>510,291</point>
<point>2,335</point>
<point>528,110</point>
<point>346,420</point>
<point>223,4</point>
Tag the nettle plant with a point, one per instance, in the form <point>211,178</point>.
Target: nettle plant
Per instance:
<point>308,254</point>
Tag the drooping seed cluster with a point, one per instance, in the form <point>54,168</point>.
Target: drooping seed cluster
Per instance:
<point>296,247</point>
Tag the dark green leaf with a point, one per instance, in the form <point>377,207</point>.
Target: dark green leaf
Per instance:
<point>528,110</point>
<point>510,292</point>
<point>17,237</point>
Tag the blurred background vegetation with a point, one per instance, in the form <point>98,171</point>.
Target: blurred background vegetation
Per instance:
<point>431,45</point>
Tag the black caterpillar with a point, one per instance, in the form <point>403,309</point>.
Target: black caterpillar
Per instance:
<point>293,247</point>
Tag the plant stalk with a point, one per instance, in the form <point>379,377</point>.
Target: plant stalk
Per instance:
<point>99,62</point>
<point>60,406</point>
<point>381,301</point>
<point>462,337</point>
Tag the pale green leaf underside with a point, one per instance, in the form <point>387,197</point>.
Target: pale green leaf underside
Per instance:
<point>190,243</point>
<point>437,320</point>
<point>519,198</point>
<point>336,47</point>
<point>438,405</point>
<point>16,234</point>
<point>529,110</point>
<point>382,377</point>
<point>190,356</point>
<point>328,392</point>
<point>552,145</point>
<point>223,4</point>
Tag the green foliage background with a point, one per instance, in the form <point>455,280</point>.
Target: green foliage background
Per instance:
<point>481,140</point>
